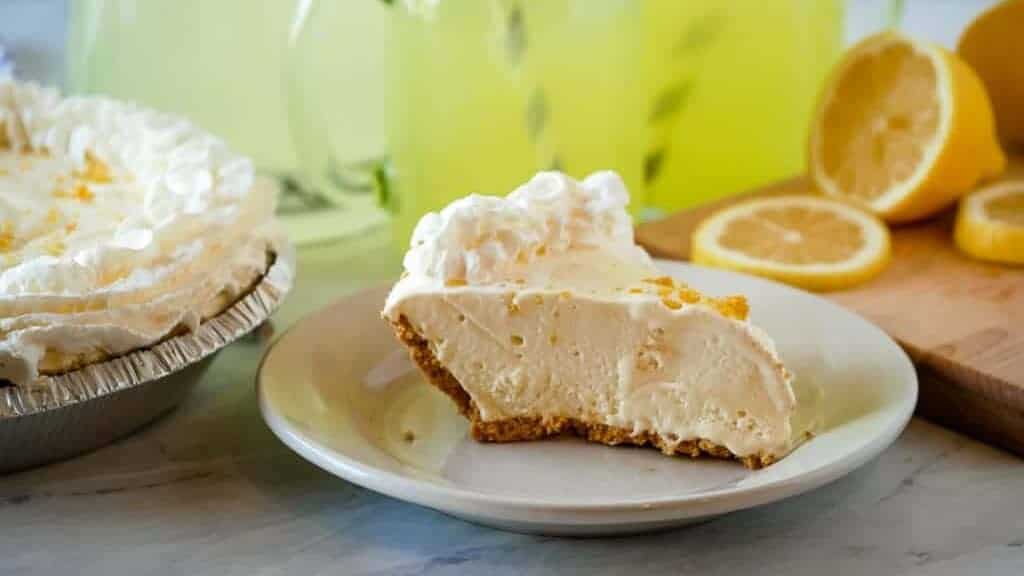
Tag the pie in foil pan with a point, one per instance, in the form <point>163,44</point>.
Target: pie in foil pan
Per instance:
<point>68,414</point>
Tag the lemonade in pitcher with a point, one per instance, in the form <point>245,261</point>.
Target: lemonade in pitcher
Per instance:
<point>732,87</point>
<point>484,94</point>
<point>217,63</point>
<point>412,103</point>
<point>689,100</point>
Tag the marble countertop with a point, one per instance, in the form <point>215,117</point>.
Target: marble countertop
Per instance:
<point>209,490</point>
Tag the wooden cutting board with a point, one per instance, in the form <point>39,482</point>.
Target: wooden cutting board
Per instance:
<point>960,320</point>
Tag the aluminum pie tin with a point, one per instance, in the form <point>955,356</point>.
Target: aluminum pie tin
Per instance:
<point>69,414</point>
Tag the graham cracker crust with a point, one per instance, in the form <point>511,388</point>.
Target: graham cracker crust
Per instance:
<point>529,428</point>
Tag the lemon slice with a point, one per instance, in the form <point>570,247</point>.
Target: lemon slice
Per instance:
<point>808,241</point>
<point>903,129</point>
<point>993,45</point>
<point>990,223</point>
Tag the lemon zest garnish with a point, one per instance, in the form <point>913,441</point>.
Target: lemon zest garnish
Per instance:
<point>661,281</point>
<point>6,237</point>
<point>82,193</point>
<point>734,307</point>
<point>79,192</point>
<point>689,295</point>
<point>95,170</point>
<point>673,304</point>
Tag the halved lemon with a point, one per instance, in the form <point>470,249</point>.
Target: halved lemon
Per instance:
<point>990,223</point>
<point>993,45</point>
<point>807,241</point>
<point>903,129</point>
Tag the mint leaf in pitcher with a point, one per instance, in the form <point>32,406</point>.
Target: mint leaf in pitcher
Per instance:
<point>652,165</point>
<point>670,101</point>
<point>536,114</point>
<point>515,34</point>
<point>697,37</point>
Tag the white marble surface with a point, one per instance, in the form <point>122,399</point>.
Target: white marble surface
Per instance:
<point>209,490</point>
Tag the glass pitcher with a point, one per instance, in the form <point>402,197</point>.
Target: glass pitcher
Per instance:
<point>687,100</point>
<point>376,111</point>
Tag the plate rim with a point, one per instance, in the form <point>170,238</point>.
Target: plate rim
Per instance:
<point>716,501</point>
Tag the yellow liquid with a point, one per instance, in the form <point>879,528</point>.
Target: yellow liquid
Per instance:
<point>750,72</point>
<point>298,85</point>
<point>456,111</point>
<point>689,101</point>
<point>486,93</point>
<point>216,62</point>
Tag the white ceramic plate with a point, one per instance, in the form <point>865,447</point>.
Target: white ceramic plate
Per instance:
<point>339,390</point>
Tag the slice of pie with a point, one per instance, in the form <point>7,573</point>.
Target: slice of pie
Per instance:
<point>538,315</point>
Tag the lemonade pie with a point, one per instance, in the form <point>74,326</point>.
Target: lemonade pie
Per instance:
<point>539,315</point>
<point>119,226</point>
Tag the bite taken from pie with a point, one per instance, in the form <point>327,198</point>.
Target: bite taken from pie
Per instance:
<point>539,315</point>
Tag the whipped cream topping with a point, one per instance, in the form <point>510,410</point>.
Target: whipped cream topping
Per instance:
<point>118,226</point>
<point>541,305</point>
<point>486,239</point>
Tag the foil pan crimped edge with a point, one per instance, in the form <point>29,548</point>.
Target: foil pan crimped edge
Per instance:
<point>170,356</point>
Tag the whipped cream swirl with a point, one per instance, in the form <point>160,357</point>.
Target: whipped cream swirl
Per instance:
<point>482,239</point>
<point>118,226</point>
